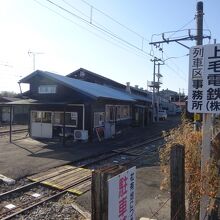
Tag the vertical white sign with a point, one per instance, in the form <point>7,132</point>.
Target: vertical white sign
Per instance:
<point>196,67</point>
<point>212,78</point>
<point>204,79</point>
<point>121,196</point>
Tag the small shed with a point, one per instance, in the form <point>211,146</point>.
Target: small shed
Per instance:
<point>19,113</point>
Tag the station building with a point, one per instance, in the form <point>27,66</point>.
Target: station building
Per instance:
<point>82,105</point>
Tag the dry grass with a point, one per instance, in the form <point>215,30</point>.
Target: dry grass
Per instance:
<point>196,184</point>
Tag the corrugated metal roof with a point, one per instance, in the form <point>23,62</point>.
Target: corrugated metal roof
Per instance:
<point>35,102</point>
<point>22,102</point>
<point>142,98</point>
<point>91,89</point>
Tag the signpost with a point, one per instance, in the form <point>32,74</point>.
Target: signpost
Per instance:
<point>204,79</point>
<point>204,97</point>
<point>121,196</point>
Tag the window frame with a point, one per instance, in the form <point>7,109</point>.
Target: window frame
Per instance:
<point>101,122</point>
<point>47,89</point>
<point>61,120</point>
<point>120,112</point>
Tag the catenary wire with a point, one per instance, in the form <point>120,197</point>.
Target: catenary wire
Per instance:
<point>67,3</point>
<point>99,28</point>
<point>123,46</point>
<point>171,60</point>
<point>92,20</point>
<point>181,28</point>
<point>113,37</point>
<point>113,19</point>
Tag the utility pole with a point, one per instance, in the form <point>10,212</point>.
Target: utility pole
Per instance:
<point>155,85</point>
<point>158,88</point>
<point>153,98</point>
<point>199,41</point>
<point>207,120</point>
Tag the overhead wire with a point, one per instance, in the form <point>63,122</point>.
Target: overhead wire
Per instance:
<point>104,30</point>
<point>182,27</point>
<point>99,28</point>
<point>134,31</point>
<point>67,3</point>
<point>122,46</point>
<point>92,20</point>
<point>113,19</point>
<point>171,60</point>
<point>176,72</point>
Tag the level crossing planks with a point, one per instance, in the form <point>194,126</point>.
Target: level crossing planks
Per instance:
<point>64,177</point>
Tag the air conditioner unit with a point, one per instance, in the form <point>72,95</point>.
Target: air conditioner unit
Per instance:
<point>80,134</point>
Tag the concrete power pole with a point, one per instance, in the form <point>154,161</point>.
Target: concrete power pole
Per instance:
<point>207,119</point>
<point>155,86</point>
<point>153,93</point>
<point>199,41</point>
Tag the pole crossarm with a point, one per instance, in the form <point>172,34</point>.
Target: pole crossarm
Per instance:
<point>178,40</point>
<point>167,40</point>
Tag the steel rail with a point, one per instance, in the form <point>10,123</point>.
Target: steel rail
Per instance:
<point>124,150</point>
<point>111,152</point>
<point>13,131</point>
<point>42,201</point>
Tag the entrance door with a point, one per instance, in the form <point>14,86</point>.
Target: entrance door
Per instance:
<point>41,124</point>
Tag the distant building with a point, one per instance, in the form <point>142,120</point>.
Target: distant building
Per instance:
<point>19,113</point>
<point>179,99</point>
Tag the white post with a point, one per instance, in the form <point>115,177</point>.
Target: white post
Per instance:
<point>83,122</point>
<point>205,156</point>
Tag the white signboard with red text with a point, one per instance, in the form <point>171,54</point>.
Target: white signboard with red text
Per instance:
<point>121,196</point>
<point>204,79</point>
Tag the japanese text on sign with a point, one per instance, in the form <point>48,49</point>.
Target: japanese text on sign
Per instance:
<point>204,79</point>
<point>121,196</point>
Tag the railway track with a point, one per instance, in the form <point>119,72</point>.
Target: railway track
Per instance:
<point>3,133</point>
<point>79,177</point>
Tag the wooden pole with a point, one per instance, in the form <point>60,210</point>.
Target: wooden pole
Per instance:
<point>205,156</point>
<point>96,195</point>
<point>177,181</point>
<point>99,191</point>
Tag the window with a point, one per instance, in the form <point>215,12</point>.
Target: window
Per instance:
<point>125,111</point>
<point>46,117</point>
<point>41,117</point>
<point>6,110</point>
<point>99,119</point>
<point>36,116</point>
<point>117,112</point>
<point>47,89</point>
<point>110,113</point>
<point>71,119</point>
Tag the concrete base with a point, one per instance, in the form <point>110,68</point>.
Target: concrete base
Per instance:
<point>143,218</point>
<point>7,180</point>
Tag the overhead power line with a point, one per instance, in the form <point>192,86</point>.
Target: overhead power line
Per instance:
<point>99,28</point>
<point>116,42</point>
<point>75,8</point>
<point>113,19</point>
<point>180,29</point>
<point>102,28</point>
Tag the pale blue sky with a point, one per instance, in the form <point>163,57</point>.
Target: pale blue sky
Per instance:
<point>68,45</point>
